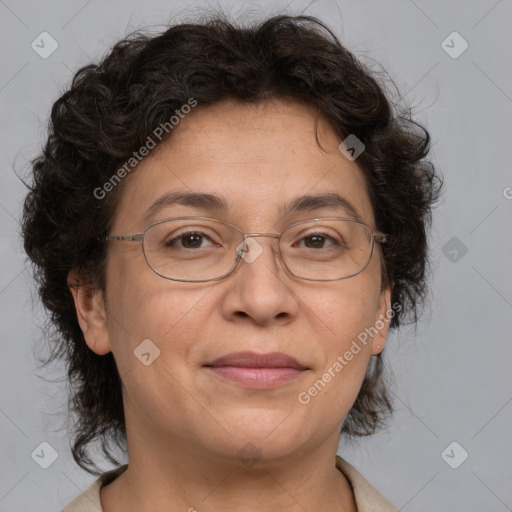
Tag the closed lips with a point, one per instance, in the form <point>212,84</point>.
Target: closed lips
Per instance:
<point>257,371</point>
<point>252,360</point>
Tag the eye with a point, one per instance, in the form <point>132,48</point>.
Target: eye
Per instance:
<point>189,240</point>
<point>318,240</point>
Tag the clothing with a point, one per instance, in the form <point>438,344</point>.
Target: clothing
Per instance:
<point>367,498</point>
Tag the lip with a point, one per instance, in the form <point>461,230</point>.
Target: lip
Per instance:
<point>253,370</point>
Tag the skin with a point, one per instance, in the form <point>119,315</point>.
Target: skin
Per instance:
<point>185,426</point>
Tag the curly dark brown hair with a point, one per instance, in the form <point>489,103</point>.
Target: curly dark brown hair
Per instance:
<point>110,110</point>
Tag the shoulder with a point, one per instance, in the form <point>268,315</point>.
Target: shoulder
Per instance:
<point>89,501</point>
<point>367,497</point>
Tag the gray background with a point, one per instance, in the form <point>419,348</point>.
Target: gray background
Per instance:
<point>453,379</point>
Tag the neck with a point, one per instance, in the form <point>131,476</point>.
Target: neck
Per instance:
<point>177,478</point>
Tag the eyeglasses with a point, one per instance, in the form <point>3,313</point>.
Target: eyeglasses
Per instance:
<point>199,249</point>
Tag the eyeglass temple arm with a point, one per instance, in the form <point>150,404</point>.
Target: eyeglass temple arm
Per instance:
<point>381,237</point>
<point>125,238</point>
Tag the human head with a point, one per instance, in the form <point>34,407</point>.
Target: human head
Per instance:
<point>111,110</point>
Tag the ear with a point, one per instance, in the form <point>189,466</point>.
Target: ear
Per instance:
<point>90,310</point>
<point>382,321</point>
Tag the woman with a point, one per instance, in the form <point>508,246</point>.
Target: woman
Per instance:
<point>225,223</point>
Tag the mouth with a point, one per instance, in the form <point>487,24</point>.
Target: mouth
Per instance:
<point>260,371</point>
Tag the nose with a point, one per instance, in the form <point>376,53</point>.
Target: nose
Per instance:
<point>260,288</point>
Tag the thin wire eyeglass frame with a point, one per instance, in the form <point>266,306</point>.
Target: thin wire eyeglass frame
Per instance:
<point>377,236</point>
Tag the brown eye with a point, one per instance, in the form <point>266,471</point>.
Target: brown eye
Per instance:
<point>315,241</point>
<point>192,240</point>
<point>318,241</point>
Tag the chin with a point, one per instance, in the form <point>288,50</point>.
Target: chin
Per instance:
<point>263,436</point>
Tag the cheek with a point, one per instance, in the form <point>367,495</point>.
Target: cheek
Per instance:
<point>348,309</point>
<point>147,307</point>
<point>153,327</point>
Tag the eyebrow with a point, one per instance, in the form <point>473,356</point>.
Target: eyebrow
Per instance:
<point>215,204</point>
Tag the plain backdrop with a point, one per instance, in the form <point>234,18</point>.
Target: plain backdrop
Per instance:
<point>452,374</point>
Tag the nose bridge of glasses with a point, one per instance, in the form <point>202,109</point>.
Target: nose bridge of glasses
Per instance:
<point>261,234</point>
<point>256,235</point>
<point>249,252</point>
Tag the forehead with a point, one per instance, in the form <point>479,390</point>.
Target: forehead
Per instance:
<point>258,159</point>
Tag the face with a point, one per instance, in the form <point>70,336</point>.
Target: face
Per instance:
<point>258,158</point>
